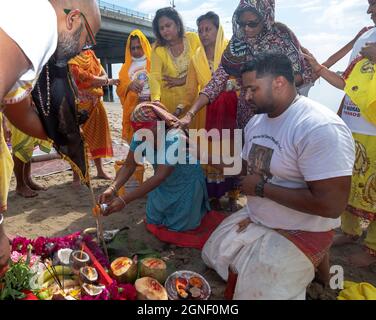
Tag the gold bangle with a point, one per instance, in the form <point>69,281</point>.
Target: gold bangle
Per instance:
<point>113,188</point>
<point>191,113</point>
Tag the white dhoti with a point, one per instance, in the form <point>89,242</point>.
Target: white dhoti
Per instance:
<point>270,267</point>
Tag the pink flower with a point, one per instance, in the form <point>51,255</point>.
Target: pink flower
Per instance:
<point>17,256</point>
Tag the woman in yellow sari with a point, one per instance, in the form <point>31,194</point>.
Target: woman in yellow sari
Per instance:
<point>134,78</point>
<point>89,77</point>
<point>221,113</point>
<point>170,59</point>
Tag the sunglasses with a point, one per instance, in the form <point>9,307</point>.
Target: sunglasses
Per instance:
<point>90,41</point>
<point>250,24</point>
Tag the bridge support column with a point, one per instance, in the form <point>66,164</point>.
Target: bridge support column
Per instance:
<point>108,90</point>
<point>111,88</point>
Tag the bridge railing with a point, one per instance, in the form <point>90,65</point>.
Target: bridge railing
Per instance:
<point>129,12</point>
<point>117,9</point>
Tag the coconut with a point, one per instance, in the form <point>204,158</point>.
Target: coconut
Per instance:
<point>150,289</point>
<point>63,256</point>
<point>91,289</point>
<point>88,274</point>
<point>154,268</point>
<point>124,270</point>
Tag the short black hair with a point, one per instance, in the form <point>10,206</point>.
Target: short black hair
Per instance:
<point>274,64</point>
<point>212,16</point>
<point>172,14</point>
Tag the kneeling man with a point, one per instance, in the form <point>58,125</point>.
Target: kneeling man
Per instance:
<point>298,159</point>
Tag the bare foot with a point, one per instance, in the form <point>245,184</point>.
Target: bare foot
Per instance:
<point>103,175</point>
<point>322,274</point>
<point>26,192</point>
<point>342,239</point>
<point>35,186</point>
<point>362,259</point>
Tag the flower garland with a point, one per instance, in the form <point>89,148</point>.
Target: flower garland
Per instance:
<point>46,247</point>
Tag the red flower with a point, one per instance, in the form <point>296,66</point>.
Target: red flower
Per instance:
<point>20,244</point>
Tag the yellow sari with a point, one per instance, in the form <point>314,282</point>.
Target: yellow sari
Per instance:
<point>129,99</point>
<point>23,145</point>
<point>200,73</point>
<point>6,168</point>
<point>163,63</point>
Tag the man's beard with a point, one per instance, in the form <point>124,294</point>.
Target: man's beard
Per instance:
<point>265,108</point>
<point>68,47</point>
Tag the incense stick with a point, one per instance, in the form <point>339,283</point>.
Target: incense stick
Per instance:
<point>100,236</point>
<point>53,274</point>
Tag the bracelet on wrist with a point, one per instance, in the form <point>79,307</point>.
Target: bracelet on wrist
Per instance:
<point>113,188</point>
<point>1,219</point>
<point>259,188</point>
<point>192,115</point>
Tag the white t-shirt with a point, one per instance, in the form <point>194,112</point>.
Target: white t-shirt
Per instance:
<point>33,26</point>
<point>308,142</point>
<point>351,113</point>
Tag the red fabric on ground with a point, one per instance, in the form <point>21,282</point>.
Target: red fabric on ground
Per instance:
<point>189,239</point>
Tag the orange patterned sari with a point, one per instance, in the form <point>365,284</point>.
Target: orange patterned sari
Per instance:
<point>84,68</point>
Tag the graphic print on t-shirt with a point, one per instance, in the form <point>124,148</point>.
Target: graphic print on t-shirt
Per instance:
<point>259,159</point>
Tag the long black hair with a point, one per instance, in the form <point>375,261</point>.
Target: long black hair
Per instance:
<point>172,14</point>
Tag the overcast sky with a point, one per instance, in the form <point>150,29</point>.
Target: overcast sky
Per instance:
<point>323,26</point>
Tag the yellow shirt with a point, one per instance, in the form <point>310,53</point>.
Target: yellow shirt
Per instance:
<point>164,64</point>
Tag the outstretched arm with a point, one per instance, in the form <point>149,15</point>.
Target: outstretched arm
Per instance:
<point>333,59</point>
<point>333,78</point>
<point>162,173</point>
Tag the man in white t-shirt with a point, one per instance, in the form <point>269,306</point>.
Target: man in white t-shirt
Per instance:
<point>30,33</point>
<point>298,158</point>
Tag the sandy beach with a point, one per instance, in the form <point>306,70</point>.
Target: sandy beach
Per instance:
<point>64,209</point>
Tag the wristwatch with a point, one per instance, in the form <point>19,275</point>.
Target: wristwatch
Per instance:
<point>259,188</point>
<point>1,218</point>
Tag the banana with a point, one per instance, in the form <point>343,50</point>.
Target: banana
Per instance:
<point>59,270</point>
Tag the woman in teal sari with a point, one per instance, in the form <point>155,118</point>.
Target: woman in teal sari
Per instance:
<point>177,195</point>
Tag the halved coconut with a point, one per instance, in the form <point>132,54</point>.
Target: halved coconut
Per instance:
<point>124,270</point>
<point>150,289</point>
<point>64,255</point>
<point>154,268</point>
<point>91,289</point>
<point>88,274</point>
